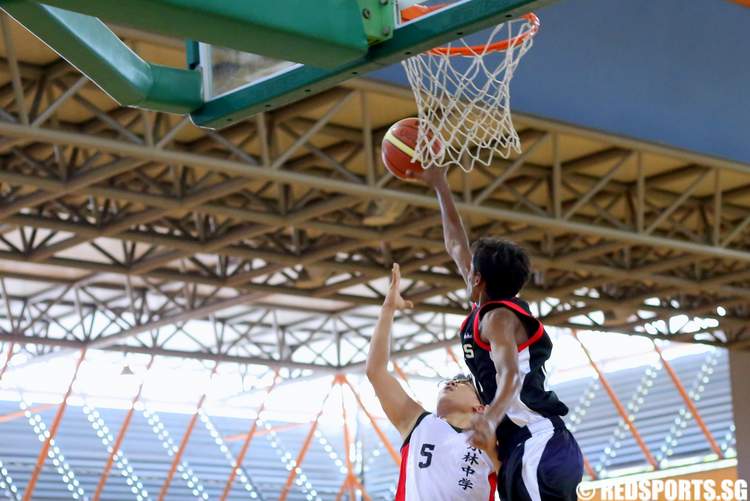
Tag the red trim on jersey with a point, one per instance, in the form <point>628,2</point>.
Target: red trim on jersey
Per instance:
<point>401,489</point>
<point>533,339</point>
<point>492,478</point>
<point>477,337</point>
<point>513,306</point>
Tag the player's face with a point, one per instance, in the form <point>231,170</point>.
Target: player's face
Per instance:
<point>457,397</point>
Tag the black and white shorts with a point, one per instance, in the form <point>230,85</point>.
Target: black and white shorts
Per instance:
<point>540,462</point>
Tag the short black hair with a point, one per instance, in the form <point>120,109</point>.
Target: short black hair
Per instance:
<point>504,266</point>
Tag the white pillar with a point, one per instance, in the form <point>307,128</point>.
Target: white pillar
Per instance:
<point>739,372</point>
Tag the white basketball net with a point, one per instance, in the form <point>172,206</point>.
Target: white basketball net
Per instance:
<point>464,101</point>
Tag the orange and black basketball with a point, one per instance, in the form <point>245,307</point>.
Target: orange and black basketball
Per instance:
<point>398,149</point>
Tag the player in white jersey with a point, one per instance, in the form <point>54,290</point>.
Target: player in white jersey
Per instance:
<point>437,461</point>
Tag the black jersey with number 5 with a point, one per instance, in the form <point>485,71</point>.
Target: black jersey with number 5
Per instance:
<point>534,400</point>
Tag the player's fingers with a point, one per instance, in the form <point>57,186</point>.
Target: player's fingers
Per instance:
<point>410,305</point>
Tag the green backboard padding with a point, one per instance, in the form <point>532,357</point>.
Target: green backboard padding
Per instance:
<point>173,88</point>
<point>89,45</point>
<point>436,29</point>
<point>321,33</point>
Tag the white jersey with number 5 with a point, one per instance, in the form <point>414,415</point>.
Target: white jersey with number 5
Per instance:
<point>438,464</point>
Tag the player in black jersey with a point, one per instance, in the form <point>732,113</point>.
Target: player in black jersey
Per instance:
<point>505,348</point>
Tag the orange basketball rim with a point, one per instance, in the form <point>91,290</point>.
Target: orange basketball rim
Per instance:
<point>417,11</point>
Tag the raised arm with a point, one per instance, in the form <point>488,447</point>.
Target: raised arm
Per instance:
<point>454,234</point>
<point>399,407</point>
<point>498,329</point>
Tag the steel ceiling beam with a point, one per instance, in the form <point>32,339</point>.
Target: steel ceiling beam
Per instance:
<point>363,191</point>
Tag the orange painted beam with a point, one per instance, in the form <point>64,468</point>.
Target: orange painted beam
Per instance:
<point>588,468</point>
<point>378,431</point>
<point>400,372</point>
<point>184,441</point>
<point>42,457</point>
<point>12,416</point>
<point>688,401</point>
<point>618,405</point>
<point>11,347</point>
<point>248,439</point>
<point>453,357</point>
<point>343,487</point>
<point>351,482</point>
<point>259,433</point>
<point>120,438</point>
<point>305,445</point>
<point>347,447</point>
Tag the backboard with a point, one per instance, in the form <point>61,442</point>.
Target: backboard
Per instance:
<point>226,70</point>
<point>238,84</point>
<point>244,68</point>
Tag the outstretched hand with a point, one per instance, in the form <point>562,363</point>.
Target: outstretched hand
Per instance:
<point>482,434</point>
<point>431,176</point>
<point>393,299</point>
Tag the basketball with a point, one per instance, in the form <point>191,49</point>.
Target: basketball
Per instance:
<point>398,148</point>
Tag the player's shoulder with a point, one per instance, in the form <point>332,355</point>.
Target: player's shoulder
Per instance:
<point>424,417</point>
<point>514,304</point>
<point>502,325</point>
<point>507,311</point>
<point>499,315</point>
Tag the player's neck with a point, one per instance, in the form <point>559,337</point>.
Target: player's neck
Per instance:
<point>483,299</point>
<point>458,419</point>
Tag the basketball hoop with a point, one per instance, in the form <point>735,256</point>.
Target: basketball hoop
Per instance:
<point>463,95</point>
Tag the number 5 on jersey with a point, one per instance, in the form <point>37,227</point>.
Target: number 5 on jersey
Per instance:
<point>426,453</point>
<point>468,350</point>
